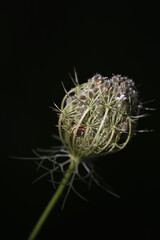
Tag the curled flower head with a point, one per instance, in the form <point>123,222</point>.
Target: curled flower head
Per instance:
<point>99,116</point>
<point>96,118</point>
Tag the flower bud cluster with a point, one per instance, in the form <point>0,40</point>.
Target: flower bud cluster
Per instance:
<point>99,116</point>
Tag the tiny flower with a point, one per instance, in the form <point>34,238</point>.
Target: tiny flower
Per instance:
<point>121,97</point>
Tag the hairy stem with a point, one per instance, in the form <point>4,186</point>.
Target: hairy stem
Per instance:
<point>52,202</point>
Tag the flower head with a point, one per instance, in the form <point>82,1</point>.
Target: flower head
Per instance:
<point>99,116</point>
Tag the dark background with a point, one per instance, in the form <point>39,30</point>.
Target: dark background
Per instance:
<point>41,43</point>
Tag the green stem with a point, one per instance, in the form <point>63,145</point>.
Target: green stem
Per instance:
<point>52,202</point>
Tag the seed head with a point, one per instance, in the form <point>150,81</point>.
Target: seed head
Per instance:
<point>99,116</point>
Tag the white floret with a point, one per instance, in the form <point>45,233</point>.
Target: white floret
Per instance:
<point>122,97</point>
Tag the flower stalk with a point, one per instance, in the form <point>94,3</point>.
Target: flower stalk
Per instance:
<point>53,201</point>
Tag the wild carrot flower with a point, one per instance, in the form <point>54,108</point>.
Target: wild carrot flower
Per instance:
<point>96,118</point>
<point>99,116</point>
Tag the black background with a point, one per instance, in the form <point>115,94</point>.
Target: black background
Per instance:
<point>41,43</point>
